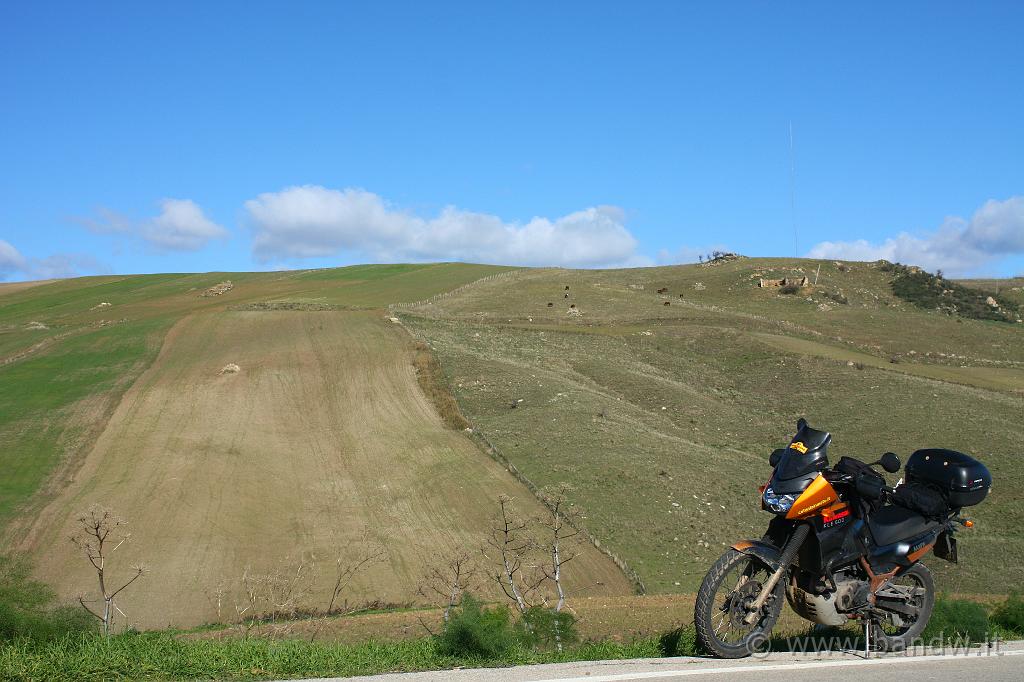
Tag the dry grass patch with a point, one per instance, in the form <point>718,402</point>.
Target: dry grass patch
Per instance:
<point>435,386</point>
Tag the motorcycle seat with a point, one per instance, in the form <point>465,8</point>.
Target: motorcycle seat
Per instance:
<point>894,523</point>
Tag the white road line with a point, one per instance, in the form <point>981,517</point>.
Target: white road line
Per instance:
<point>896,660</point>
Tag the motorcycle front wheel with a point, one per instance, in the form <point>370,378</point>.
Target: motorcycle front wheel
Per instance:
<point>724,601</point>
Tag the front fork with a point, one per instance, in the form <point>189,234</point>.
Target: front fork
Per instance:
<point>787,558</point>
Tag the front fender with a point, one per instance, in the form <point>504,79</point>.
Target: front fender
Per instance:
<point>764,551</point>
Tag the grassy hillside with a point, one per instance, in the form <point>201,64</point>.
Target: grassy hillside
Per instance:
<point>66,358</point>
<point>324,440</point>
<point>663,407</point>
<point>657,393</point>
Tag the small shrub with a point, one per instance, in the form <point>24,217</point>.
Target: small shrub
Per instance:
<point>957,618</point>
<point>541,627</point>
<point>859,365</point>
<point>26,606</point>
<point>836,297</point>
<point>679,642</point>
<point>475,632</point>
<point>1010,615</point>
<point>789,290</point>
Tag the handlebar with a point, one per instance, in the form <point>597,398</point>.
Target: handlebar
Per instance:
<point>865,485</point>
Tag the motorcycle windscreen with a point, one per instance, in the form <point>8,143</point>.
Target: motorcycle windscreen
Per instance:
<point>795,464</point>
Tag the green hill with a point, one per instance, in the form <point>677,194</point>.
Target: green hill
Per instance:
<point>661,408</point>
<point>657,393</point>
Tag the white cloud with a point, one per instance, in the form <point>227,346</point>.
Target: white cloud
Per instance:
<point>959,247</point>
<point>181,226</point>
<point>58,265</point>
<point>108,222</point>
<point>62,265</point>
<point>313,221</point>
<point>11,260</point>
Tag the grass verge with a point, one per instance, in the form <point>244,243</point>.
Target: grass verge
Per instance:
<point>161,656</point>
<point>167,655</point>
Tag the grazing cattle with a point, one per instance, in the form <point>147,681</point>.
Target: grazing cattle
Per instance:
<point>551,305</point>
<point>566,296</point>
<point>668,302</point>
<point>572,305</point>
<point>567,287</point>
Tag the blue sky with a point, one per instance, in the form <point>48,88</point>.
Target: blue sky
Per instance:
<point>139,137</point>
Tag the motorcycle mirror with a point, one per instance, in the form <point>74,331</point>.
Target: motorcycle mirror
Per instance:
<point>890,461</point>
<point>774,458</point>
<point>800,423</point>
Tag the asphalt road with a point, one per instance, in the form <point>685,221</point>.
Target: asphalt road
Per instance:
<point>1004,663</point>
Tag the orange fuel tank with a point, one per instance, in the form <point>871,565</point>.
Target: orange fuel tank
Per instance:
<point>818,494</point>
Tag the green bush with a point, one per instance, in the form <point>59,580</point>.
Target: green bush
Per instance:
<point>26,606</point>
<point>475,632</point>
<point>957,618</point>
<point>540,627</point>
<point>679,642</point>
<point>935,292</point>
<point>1010,615</point>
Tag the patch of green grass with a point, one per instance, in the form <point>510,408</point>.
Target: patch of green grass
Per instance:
<point>78,296</point>
<point>35,418</point>
<point>1010,615</point>
<point>364,273</point>
<point>380,285</point>
<point>159,656</point>
<point>27,608</point>
<point>957,619</point>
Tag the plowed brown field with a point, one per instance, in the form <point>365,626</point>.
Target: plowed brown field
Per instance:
<point>324,433</point>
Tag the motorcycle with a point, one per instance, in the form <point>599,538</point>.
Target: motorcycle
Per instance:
<point>842,546</point>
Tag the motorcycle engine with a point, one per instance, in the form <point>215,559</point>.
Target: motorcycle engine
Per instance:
<point>824,606</point>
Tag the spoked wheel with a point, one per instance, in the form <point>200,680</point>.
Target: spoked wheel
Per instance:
<point>914,592</point>
<point>725,601</point>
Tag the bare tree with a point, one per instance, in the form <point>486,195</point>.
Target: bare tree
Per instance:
<point>274,599</point>
<point>349,563</point>
<point>511,547</point>
<point>99,534</point>
<point>449,582</point>
<point>561,526</point>
<point>215,596</point>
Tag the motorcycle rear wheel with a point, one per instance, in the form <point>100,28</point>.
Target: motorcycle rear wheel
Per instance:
<point>917,582</point>
<point>724,600</point>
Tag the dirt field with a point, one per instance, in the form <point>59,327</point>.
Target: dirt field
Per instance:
<point>324,432</point>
